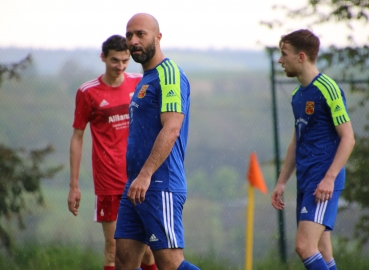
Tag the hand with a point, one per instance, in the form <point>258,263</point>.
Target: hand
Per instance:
<point>74,198</point>
<point>277,195</point>
<point>138,188</point>
<point>324,190</point>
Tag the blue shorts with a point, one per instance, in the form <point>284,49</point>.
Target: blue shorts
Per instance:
<point>156,222</point>
<point>322,212</point>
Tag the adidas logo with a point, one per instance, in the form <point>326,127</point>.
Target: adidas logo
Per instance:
<point>337,108</point>
<point>304,211</point>
<point>104,103</point>
<point>171,94</point>
<point>153,238</point>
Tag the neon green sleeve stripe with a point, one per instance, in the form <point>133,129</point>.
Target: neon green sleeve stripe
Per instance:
<point>170,82</point>
<point>294,91</point>
<point>333,97</point>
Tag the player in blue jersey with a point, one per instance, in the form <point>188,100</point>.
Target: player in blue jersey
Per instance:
<point>322,142</point>
<point>155,193</point>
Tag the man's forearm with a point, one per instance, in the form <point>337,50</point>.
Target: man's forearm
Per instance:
<point>342,155</point>
<point>161,149</point>
<point>75,161</point>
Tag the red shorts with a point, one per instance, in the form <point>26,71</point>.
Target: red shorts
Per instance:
<point>106,207</point>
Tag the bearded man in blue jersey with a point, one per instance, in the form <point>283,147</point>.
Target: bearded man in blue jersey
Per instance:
<point>322,142</point>
<point>152,203</point>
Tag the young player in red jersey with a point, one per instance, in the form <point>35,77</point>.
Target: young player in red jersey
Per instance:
<point>103,102</point>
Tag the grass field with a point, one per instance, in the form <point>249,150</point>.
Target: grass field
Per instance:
<point>67,257</point>
<point>212,229</point>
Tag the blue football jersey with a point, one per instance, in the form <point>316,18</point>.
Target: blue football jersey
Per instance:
<point>318,108</point>
<point>164,88</point>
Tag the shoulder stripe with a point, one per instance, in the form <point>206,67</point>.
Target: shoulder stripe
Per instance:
<point>172,68</point>
<point>330,86</point>
<point>170,84</point>
<point>335,100</point>
<point>169,72</point>
<point>133,75</point>
<point>89,84</point>
<point>337,90</point>
<point>296,89</point>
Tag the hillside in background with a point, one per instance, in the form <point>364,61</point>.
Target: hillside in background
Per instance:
<point>48,62</point>
<point>230,93</point>
<point>231,117</point>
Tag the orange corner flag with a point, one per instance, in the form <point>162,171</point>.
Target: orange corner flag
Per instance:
<point>255,175</point>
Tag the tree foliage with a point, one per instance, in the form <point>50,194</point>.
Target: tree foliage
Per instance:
<point>351,64</point>
<point>21,171</point>
<point>326,11</point>
<point>11,71</point>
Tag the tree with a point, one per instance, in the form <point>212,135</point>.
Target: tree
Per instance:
<point>11,71</point>
<point>348,60</point>
<point>21,171</point>
<point>352,65</point>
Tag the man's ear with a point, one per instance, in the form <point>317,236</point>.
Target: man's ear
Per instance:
<point>102,56</point>
<point>302,57</point>
<point>158,38</point>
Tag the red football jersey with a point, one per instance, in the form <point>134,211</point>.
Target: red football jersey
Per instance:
<point>106,108</point>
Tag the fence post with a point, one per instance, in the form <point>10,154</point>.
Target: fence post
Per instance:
<point>282,238</point>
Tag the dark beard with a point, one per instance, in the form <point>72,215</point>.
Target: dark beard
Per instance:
<point>146,55</point>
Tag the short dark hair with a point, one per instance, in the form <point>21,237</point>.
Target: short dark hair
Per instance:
<point>303,40</point>
<point>116,43</point>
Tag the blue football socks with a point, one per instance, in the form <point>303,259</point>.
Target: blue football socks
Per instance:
<point>315,262</point>
<point>332,265</point>
<point>185,265</point>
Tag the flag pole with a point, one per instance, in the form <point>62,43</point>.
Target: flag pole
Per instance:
<point>256,180</point>
<point>250,229</point>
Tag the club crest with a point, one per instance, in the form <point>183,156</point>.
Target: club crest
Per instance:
<point>309,108</point>
<point>142,92</point>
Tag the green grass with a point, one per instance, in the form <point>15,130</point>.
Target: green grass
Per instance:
<point>68,256</point>
<point>345,260</point>
<point>51,256</point>
<point>211,262</point>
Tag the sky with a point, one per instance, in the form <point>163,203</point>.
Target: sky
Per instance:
<point>190,24</point>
